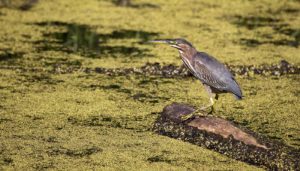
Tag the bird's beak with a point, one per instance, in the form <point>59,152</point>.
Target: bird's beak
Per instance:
<point>159,41</point>
<point>171,42</point>
<point>167,41</point>
<point>175,46</point>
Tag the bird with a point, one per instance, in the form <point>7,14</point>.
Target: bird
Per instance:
<point>214,75</point>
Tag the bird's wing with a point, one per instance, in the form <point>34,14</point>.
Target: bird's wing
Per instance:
<point>215,74</point>
<point>207,77</point>
<point>213,65</point>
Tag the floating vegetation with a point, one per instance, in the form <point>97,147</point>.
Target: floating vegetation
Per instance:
<point>84,40</point>
<point>77,92</point>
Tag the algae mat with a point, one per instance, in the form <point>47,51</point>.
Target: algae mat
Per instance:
<point>76,119</point>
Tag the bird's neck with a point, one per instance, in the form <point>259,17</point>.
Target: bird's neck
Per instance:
<point>188,54</point>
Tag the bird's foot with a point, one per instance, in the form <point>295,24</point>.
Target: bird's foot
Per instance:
<point>196,113</point>
<point>208,109</point>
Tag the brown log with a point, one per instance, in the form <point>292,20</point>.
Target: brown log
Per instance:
<point>226,138</point>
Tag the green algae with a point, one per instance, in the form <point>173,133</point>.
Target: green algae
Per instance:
<point>95,121</point>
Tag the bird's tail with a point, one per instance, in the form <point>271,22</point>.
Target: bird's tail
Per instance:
<point>238,97</point>
<point>236,90</point>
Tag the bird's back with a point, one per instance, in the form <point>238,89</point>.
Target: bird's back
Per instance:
<point>213,73</point>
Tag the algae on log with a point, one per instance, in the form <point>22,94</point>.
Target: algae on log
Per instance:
<point>226,138</point>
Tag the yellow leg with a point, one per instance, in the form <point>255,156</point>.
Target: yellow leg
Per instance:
<point>211,106</point>
<point>201,111</point>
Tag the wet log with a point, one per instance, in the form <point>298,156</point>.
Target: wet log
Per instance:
<point>227,138</point>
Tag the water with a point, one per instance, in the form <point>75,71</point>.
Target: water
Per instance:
<point>84,40</point>
<point>279,27</point>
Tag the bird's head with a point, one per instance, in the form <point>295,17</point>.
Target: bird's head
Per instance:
<point>181,44</point>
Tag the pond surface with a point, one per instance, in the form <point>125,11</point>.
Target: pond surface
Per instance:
<point>80,86</point>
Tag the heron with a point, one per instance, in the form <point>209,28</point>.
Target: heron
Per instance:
<point>214,75</point>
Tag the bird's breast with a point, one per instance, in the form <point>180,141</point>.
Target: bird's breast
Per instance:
<point>188,63</point>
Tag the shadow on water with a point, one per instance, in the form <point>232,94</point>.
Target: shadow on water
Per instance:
<point>10,57</point>
<point>278,26</point>
<point>253,22</point>
<point>84,40</point>
<point>24,6</point>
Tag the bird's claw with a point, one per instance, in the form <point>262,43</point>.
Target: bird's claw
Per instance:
<point>210,111</point>
<point>199,112</point>
<point>194,114</point>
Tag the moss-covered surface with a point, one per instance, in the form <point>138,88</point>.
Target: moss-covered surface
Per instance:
<point>90,120</point>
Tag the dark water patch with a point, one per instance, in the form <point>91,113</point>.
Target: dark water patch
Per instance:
<point>291,32</point>
<point>34,117</point>
<point>139,96</point>
<point>282,42</point>
<point>144,97</point>
<point>279,27</point>
<point>290,10</point>
<point>26,36</point>
<point>142,36</point>
<point>122,2</point>
<point>297,93</point>
<point>209,5</point>
<point>3,87</point>
<point>252,22</point>
<point>85,152</point>
<point>136,123</point>
<point>285,42</point>
<point>84,40</point>
<point>28,5</point>
<point>159,158</point>
<point>40,78</point>
<point>115,87</point>
<point>250,42</point>
<point>4,120</point>
<point>146,81</point>
<point>112,86</point>
<point>6,161</point>
<point>50,139</point>
<point>76,38</point>
<point>63,63</point>
<point>44,165</point>
<point>28,77</point>
<point>115,51</point>
<point>10,56</point>
<point>128,3</point>
<point>25,6</point>
<point>153,80</point>
<point>284,10</point>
